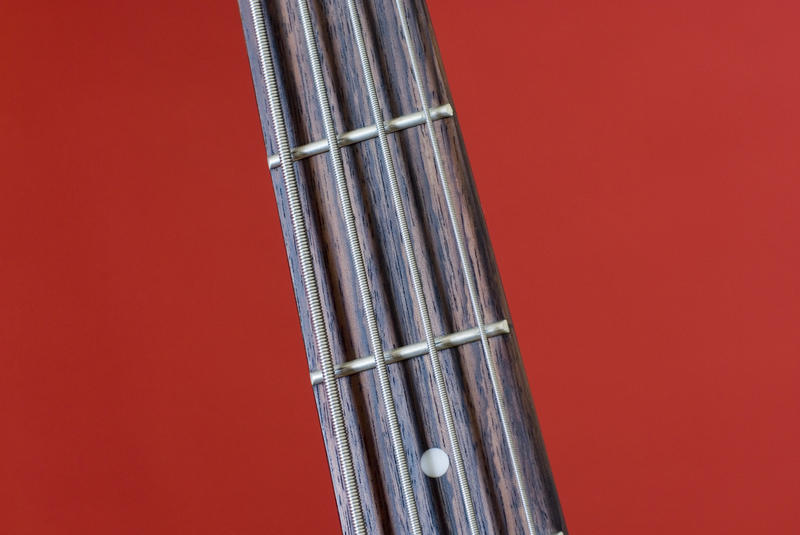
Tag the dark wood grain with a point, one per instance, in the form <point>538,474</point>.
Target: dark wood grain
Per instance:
<point>489,471</point>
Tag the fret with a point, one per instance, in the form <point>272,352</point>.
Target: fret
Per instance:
<point>448,341</point>
<point>364,133</point>
<point>459,281</point>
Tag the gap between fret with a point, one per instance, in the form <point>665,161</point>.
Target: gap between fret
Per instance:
<point>351,367</point>
<point>364,133</point>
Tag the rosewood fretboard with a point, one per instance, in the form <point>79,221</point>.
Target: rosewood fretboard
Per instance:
<point>489,474</point>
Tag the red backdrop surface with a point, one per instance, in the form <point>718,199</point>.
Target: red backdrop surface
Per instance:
<point>639,168</point>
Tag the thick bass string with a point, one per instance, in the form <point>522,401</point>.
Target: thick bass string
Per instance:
<point>310,284</point>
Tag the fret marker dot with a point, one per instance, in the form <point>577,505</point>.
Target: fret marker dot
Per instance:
<point>434,462</point>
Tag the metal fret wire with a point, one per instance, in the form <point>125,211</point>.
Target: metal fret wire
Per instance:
<point>307,268</point>
<point>354,243</point>
<point>441,386</point>
<point>467,271</point>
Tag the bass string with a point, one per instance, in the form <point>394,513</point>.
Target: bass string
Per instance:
<point>411,261</point>
<point>467,272</point>
<point>310,283</point>
<point>354,244</point>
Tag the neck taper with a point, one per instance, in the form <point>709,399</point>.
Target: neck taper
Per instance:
<point>490,415</point>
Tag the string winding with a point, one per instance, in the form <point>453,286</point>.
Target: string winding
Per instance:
<point>385,389</point>
<point>408,247</point>
<point>310,284</point>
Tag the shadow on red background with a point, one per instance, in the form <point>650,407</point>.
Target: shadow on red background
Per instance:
<point>638,164</point>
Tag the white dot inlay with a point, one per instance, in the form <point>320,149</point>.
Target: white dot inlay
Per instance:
<point>434,462</point>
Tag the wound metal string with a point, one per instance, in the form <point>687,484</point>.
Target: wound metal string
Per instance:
<point>408,247</point>
<point>359,266</point>
<point>466,267</point>
<point>309,276</point>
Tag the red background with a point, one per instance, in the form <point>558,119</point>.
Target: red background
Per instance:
<point>638,164</point>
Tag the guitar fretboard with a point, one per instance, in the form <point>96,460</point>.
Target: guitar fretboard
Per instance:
<point>407,332</point>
